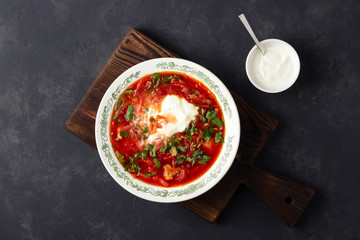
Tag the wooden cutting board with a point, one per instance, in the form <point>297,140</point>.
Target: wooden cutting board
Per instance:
<point>285,198</point>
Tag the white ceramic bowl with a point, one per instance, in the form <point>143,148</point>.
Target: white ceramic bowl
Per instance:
<point>252,67</point>
<point>195,188</point>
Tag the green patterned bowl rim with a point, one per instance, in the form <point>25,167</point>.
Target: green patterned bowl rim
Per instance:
<point>212,176</point>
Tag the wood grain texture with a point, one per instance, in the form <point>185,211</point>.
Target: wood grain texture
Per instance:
<point>286,198</point>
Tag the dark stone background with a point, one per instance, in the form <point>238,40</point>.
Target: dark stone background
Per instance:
<point>54,186</point>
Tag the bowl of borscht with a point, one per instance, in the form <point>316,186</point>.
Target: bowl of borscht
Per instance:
<point>167,130</point>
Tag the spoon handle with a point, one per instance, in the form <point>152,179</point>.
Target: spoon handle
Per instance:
<point>252,34</point>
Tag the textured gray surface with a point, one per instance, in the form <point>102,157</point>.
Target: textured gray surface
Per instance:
<point>54,186</point>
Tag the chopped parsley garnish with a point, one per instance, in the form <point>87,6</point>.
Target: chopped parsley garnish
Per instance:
<point>157,163</point>
<point>152,119</point>
<point>125,134</point>
<point>211,114</point>
<point>111,133</point>
<point>163,149</point>
<point>115,116</point>
<point>143,137</point>
<point>129,113</point>
<point>128,91</point>
<point>181,148</point>
<point>204,159</point>
<point>149,147</point>
<point>206,134</point>
<point>197,155</point>
<point>191,128</point>
<point>217,122</point>
<point>150,174</point>
<point>202,118</point>
<point>153,153</point>
<point>144,155</point>
<point>145,129</point>
<point>172,142</point>
<point>118,103</point>
<point>180,158</point>
<point>219,138</point>
<point>188,138</point>
<point>146,110</point>
<point>167,79</point>
<point>155,75</point>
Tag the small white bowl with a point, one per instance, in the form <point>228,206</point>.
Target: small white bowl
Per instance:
<point>282,74</point>
<point>192,189</point>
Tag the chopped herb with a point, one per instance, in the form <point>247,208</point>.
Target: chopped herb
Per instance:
<point>219,138</point>
<point>153,153</point>
<point>145,129</point>
<point>116,139</point>
<point>188,138</point>
<point>217,122</point>
<point>135,130</point>
<point>173,141</point>
<point>156,161</point>
<point>144,155</point>
<point>155,75</point>
<point>115,116</point>
<point>196,153</point>
<point>191,128</point>
<point>207,101</point>
<point>181,148</point>
<point>137,155</point>
<point>124,134</point>
<point>129,113</point>
<point>150,174</point>
<point>153,91</point>
<point>146,110</point>
<point>128,91</point>
<point>191,160</point>
<point>180,158</point>
<point>163,149</point>
<point>119,156</point>
<point>157,83</point>
<point>167,79</point>
<point>143,137</point>
<point>111,133</point>
<point>152,119</point>
<point>118,103</point>
<point>149,147</point>
<point>112,145</point>
<point>211,114</point>
<point>204,159</point>
<point>202,118</point>
<point>206,134</point>
<point>187,165</point>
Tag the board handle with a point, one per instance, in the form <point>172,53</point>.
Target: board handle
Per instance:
<point>286,198</point>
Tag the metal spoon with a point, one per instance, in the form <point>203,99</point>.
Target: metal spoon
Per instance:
<point>252,34</point>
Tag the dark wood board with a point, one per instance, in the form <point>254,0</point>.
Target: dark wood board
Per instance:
<point>286,198</point>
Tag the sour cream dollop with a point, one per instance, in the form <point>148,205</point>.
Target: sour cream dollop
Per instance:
<point>175,115</point>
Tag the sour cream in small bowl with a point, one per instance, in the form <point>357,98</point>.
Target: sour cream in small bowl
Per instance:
<point>276,70</point>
